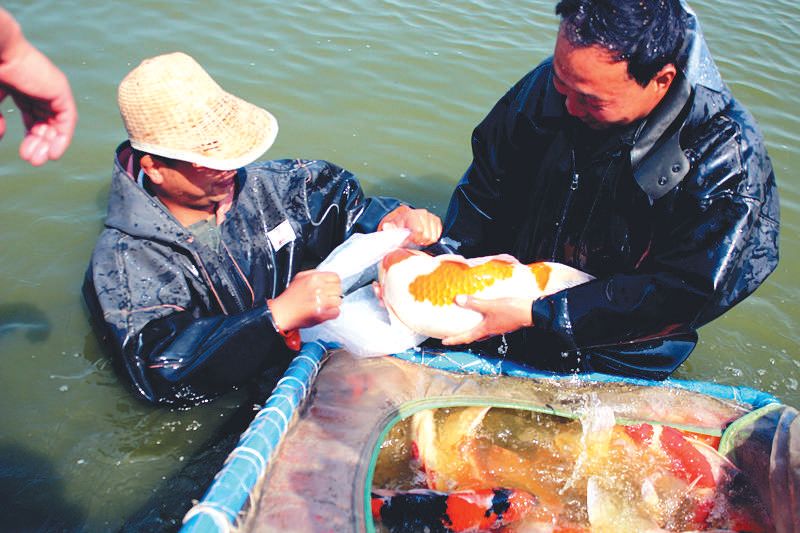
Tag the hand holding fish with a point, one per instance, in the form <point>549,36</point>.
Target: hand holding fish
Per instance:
<point>425,227</point>
<point>312,297</point>
<point>500,315</point>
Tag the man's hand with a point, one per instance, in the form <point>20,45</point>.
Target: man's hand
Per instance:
<point>312,297</point>
<point>41,92</point>
<point>425,227</point>
<point>501,315</point>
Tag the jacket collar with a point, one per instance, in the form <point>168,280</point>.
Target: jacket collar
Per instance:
<point>657,158</point>
<point>132,210</point>
<point>552,101</point>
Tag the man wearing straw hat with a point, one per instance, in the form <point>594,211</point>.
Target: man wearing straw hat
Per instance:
<point>195,281</point>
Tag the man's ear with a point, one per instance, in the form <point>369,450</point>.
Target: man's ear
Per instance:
<point>152,167</point>
<point>663,79</point>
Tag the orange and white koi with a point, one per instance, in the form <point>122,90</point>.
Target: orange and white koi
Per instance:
<point>419,290</point>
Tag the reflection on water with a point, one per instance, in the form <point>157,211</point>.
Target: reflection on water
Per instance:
<point>580,474</point>
<point>388,89</point>
<point>24,318</point>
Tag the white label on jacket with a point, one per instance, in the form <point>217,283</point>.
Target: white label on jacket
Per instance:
<point>281,234</point>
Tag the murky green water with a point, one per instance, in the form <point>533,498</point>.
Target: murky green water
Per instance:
<point>389,89</point>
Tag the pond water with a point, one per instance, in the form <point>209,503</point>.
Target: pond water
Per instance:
<point>389,89</point>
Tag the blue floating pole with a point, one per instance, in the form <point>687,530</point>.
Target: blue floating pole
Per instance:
<point>219,508</point>
<point>465,362</point>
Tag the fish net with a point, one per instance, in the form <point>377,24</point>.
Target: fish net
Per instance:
<point>319,476</point>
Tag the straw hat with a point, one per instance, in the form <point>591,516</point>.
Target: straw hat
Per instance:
<point>171,107</point>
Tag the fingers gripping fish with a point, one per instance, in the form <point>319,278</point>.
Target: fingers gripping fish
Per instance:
<point>419,290</point>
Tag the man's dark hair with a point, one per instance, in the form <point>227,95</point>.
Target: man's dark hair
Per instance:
<point>138,154</point>
<point>648,34</point>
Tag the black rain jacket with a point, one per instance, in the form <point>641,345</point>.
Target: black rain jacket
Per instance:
<point>676,217</point>
<point>187,322</point>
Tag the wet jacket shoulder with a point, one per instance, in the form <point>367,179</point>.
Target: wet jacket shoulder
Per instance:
<point>186,322</point>
<point>677,219</point>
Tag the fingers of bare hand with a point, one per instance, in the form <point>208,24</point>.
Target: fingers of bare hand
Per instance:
<point>330,313</point>
<point>329,283</point>
<point>436,228</point>
<point>428,228</point>
<point>466,338</point>
<point>34,149</point>
<point>377,291</point>
<point>330,278</point>
<point>326,300</point>
<point>468,302</point>
<point>481,305</point>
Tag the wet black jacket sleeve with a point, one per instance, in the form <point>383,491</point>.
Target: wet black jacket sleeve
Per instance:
<point>183,359</point>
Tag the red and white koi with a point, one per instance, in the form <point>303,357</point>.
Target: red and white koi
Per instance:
<point>720,496</point>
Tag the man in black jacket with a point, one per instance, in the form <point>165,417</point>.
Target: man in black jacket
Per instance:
<point>196,281</point>
<point>626,156</point>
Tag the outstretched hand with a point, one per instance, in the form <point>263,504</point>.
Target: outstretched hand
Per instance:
<point>40,91</point>
<point>501,315</point>
<point>425,227</point>
<point>312,297</point>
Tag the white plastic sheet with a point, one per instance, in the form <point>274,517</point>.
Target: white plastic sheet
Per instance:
<point>363,326</point>
<point>356,259</point>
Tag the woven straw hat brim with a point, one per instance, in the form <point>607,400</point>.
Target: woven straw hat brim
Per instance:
<point>268,132</point>
<point>171,107</point>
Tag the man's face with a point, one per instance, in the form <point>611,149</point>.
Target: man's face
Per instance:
<point>191,185</point>
<point>598,90</point>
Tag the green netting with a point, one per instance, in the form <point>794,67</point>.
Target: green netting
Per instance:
<point>321,474</point>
